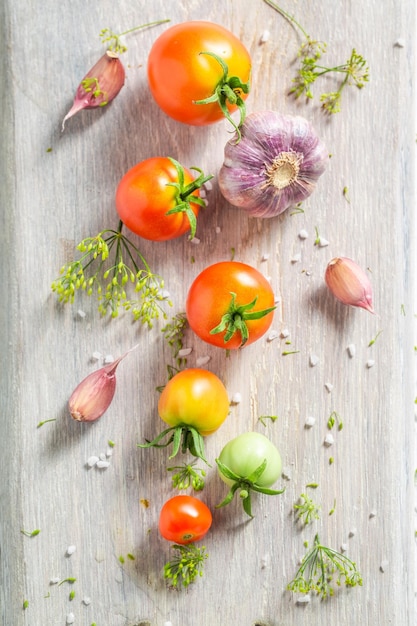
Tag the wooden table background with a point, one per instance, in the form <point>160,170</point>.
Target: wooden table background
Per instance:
<point>59,188</point>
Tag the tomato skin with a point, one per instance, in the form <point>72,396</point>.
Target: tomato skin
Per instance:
<point>179,75</point>
<point>246,452</point>
<point>194,397</point>
<point>209,298</point>
<point>144,196</point>
<point>184,519</point>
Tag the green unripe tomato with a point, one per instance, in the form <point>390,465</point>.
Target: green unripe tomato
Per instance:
<point>244,454</point>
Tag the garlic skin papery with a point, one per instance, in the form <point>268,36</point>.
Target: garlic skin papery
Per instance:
<point>275,165</point>
<point>349,283</point>
<point>99,86</point>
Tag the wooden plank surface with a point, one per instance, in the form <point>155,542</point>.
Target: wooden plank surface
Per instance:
<point>59,188</point>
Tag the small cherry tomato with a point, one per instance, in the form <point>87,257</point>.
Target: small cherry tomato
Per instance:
<point>159,199</point>
<point>230,304</point>
<point>194,62</point>
<point>184,519</point>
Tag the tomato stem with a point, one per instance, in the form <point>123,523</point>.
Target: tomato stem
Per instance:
<point>182,436</point>
<point>234,320</point>
<point>229,90</point>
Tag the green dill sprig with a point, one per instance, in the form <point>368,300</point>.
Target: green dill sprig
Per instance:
<point>115,45</point>
<point>108,279</point>
<point>173,333</point>
<point>186,565</point>
<point>333,419</point>
<point>321,569</point>
<point>262,418</point>
<point>307,510</point>
<point>188,476</point>
<point>354,71</point>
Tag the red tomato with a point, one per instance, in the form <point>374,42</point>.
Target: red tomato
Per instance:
<point>179,75</point>
<point>230,304</point>
<point>194,397</point>
<point>184,519</point>
<point>145,195</point>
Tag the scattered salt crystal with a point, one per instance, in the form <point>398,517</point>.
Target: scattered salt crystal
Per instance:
<point>286,473</point>
<point>109,358</point>
<point>184,352</point>
<point>202,360</point>
<point>310,421</point>
<point>265,561</point>
<point>352,532</point>
<point>303,234</point>
<point>92,461</point>
<point>86,601</point>
<point>272,335</point>
<point>96,356</point>
<point>102,456</point>
<point>208,185</point>
<point>277,299</point>
<point>304,599</point>
<point>54,581</point>
<point>236,398</point>
<point>165,294</point>
<point>314,359</point>
<point>265,257</point>
<point>202,193</point>
<point>384,565</point>
<point>328,440</point>
<point>323,242</point>
<point>70,618</point>
<point>102,464</point>
<point>264,37</point>
<point>351,349</point>
<point>218,230</point>
<point>109,452</point>
<point>372,514</point>
<point>296,258</point>
<point>370,363</point>
<point>167,623</point>
<point>328,387</point>
<point>195,240</point>
<point>71,550</point>
<point>285,333</point>
<point>81,313</point>
<point>344,547</point>
<point>400,43</point>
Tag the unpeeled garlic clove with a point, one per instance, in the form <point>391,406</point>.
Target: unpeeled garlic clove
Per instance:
<point>93,396</point>
<point>349,283</point>
<point>100,85</point>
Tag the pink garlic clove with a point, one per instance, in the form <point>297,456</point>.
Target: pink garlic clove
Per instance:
<point>93,396</point>
<point>99,86</point>
<point>349,283</point>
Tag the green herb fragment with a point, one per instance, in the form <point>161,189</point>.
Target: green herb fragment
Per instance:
<point>333,419</point>
<point>31,533</point>
<point>192,260</point>
<point>287,352</point>
<point>53,419</point>
<point>297,209</point>
<point>332,510</point>
<point>173,333</point>
<point>262,418</point>
<point>402,309</point>
<point>307,510</point>
<point>346,194</point>
<point>111,278</point>
<point>115,45</point>
<point>69,580</point>
<point>188,476</point>
<point>232,254</point>
<point>371,343</point>
<point>111,443</point>
<point>25,604</point>
<point>49,149</point>
<point>186,565</point>
<point>121,559</point>
<point>312,485</point>
<point>319,567</point>
<point>130,556</point>
<point>72,595</point>
<point>331,460</point>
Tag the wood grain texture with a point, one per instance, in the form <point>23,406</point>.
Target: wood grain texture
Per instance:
<point>53,199</point>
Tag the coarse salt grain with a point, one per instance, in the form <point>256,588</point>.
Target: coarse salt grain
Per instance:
<point>272,335</point>
<point>328,440</point>
<point>109,452</point>
<point>195,240</point>
<point>296,258</point>
<point>303,234</point>
<point>71,550</point>
<point>86,601</point>
<point>286,473</point>
<point>92,461</point>
<point>70,618</point>
<point>265,561</point>
<point>265,36</point>
<point>237,398</point>
<point>184,352</point>
<point>328,387</point>
<point>351,350</point>
<point>202,360</point>
<point>323,242</point>
<point>400,43</point>
<point>218,230</point>
<point>304,599</point>
<point>54,581</point>
<point>310,421</point>
<point>370,363</point>
<point>102,456</point>
<point>109,358</point>
<point>102,464</point>
<point>344,547</point>
<point>384,565</point>
<point>264,257</point>
<point>208,185</point>
<point>352,532</point>
<point>165,294</point>
<point>81,314</point>
<point>285,333</point>
<point>314,359</point>
<point>372,514</point>
<point>96,356</point>
<point>167,623</point>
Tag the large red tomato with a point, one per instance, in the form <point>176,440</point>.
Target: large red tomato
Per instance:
<point>158,199</point>
<point>184,519</point>
<point>230,304</point>
<point>180,73</point>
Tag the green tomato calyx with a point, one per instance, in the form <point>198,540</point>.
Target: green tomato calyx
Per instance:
<point>184,194</point>
<point>229,90</point>
<point>184,437</point>
<point>234,320</point>
<point>246,485</point>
